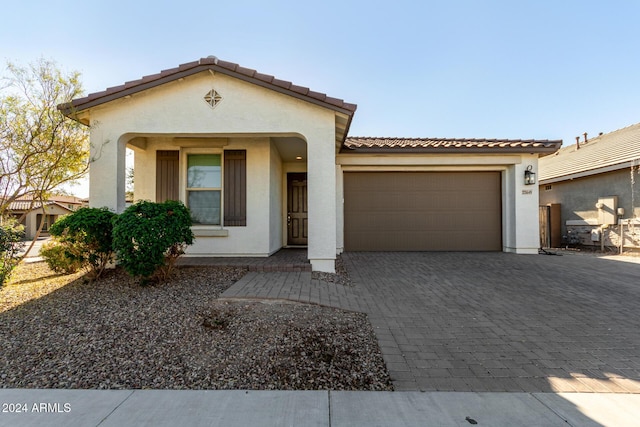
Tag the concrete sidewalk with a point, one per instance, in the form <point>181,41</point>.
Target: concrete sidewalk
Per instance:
<point>312,408</point>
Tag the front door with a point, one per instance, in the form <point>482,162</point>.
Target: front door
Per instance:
<point>297,222</point>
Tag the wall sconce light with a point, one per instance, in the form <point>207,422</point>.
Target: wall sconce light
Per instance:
<point>529,176</point>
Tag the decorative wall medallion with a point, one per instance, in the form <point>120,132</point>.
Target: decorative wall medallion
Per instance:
<point>212,98</point>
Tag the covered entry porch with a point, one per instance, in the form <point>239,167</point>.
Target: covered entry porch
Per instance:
<point>247,194</point>
<point>224,140</point>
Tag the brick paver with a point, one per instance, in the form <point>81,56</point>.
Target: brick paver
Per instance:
<point>487,321</point>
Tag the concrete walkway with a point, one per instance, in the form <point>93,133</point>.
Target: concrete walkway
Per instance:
<point>486,322</point>
<point>122,408</point>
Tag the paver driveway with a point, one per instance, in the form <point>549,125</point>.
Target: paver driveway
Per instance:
<point>504,322</point>
<point>487,321</point>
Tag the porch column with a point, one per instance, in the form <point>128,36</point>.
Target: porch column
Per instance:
<point>107,171</point>
<point>321,184</point>
<point>522,212</point>
<point>339,210</point>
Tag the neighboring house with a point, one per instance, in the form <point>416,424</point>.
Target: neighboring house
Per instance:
<point>263,164</point>
<point>594,187</point>
<point>32,213</point>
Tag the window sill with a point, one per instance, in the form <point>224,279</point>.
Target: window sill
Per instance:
<point>203,232</point>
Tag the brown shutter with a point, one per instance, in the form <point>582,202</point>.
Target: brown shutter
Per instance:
<point>167,175</point>
<point>235,188</point>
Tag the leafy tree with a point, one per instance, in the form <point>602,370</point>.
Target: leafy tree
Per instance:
<point>86,236</point>
<point>40,148</point>
<point>149,237</point>
<point>130,184</point>
<point>11,235</point>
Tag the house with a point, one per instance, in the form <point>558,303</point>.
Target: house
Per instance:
<point>594,187</point>
<point>31,213</point>
<point>263,164</point>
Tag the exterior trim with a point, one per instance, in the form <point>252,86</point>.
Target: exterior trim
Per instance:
<point>207,64</point>
<point>587,173</point>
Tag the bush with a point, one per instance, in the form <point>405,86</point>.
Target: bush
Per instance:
<point>60,259</point>
<point>11,243</point>
<point>86,236</point>
<point>149,237</point>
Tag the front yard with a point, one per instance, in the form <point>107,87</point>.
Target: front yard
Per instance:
<point>65,332</point>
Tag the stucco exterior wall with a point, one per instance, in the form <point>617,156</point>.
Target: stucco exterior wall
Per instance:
<point>31,219</point>
<point>521,228</point>
<point>580,216</point>
<point>321,187</point>
<point>578,197</point>
<point>276,195</point>
<point>256,238</point>
<point>520,202</point>
<point>177,109</point>
<point>339,209</point>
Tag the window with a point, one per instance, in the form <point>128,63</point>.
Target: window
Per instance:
<point>204,185</point>
<point>214,183</point>
<point>48,220</point>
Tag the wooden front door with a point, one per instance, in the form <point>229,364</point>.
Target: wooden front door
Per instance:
<point>297,222</point>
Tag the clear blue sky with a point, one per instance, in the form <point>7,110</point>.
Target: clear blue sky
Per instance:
<point>458,68</point>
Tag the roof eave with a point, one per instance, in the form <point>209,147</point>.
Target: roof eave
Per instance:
<point>71,109</point>
<point>585,173</point>
<point>448,150</point>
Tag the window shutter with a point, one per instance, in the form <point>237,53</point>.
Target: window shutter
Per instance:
<point>235,188</point>
<point>167,175</point>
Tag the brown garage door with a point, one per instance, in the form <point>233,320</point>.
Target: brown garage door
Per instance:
<point>422,211</point>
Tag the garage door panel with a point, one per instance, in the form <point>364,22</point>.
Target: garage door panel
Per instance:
<point>423,211</point>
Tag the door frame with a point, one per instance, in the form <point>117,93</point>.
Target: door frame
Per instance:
<point>294,176</point>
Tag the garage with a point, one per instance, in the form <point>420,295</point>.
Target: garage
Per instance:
<point>422,211</point>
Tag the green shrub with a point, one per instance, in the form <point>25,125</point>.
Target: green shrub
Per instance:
<point>87,235</point>
<point>60,259</point>
<point>11,243</point>
<point>149,237</point>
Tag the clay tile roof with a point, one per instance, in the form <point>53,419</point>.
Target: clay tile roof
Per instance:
<point>448,145</point>
<point>204,64</point>
<point>299,89</point>
<point>25,205</point>
<point>281,83</point>
<point>264,77</point>
<point>246,71</point>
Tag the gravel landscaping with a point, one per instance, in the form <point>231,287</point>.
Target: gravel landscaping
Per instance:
<point>65,332</point>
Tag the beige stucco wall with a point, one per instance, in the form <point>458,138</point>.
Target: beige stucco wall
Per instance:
<point>249,116</point>
<point>31,218</point>
<point>177,109</point>
<point>262,235</point>
<point>520,208</point>
<point>276,195</point>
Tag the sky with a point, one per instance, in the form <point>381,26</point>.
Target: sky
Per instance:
<point>544,69</point>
